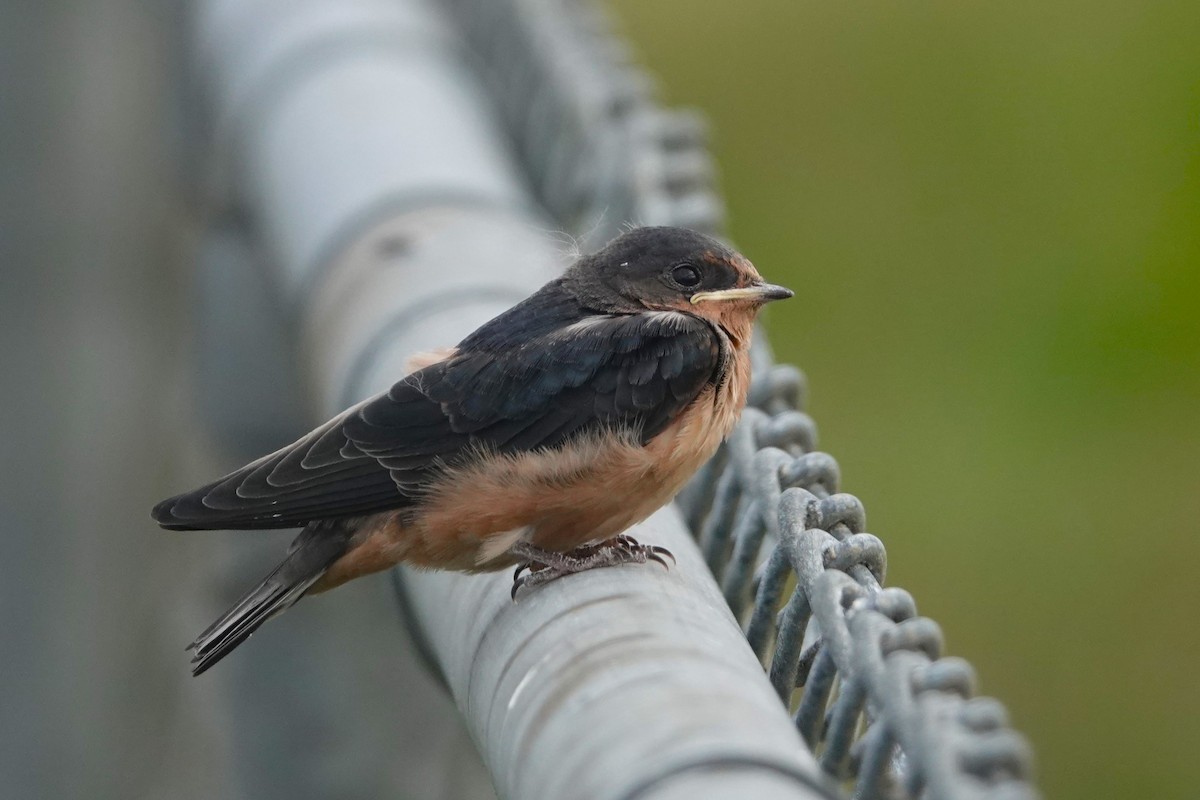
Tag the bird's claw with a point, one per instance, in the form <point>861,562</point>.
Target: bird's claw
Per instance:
<point>623,549</point>
<point>518,581</point>
<point>653,555</point>
<point>651,552</point>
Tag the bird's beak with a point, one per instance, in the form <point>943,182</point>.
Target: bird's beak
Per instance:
<point>758,292</point>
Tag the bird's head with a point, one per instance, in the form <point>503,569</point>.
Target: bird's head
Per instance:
<point>673,269</point>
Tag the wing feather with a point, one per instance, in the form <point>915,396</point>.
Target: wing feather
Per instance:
<point>505,395</point>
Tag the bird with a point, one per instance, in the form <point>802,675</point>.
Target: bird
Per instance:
<point>535,442</point>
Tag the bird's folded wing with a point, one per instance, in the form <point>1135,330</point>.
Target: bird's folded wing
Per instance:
<point>630,373</point>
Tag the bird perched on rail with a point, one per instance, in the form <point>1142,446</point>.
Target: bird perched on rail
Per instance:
<point>535,442</point>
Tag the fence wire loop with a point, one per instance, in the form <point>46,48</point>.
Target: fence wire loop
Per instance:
<point>886,714</point>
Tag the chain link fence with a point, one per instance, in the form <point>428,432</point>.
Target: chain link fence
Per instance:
<point>886,714</point>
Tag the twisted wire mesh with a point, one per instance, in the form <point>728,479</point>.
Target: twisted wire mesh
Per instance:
<point>887,715</point>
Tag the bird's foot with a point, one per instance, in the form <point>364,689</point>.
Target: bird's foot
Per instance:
<point>547,565</point>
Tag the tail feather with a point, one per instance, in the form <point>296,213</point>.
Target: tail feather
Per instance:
<point>313,552</point>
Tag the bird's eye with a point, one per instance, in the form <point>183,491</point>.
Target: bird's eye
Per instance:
<point>686,275</point>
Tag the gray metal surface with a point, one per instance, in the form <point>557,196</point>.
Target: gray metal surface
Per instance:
<point>597,148</point>
<point>621,683</point>
<point>332,115</point>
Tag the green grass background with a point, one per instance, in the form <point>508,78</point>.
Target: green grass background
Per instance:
<point>991,214</point>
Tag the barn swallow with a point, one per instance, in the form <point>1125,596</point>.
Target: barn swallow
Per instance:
<point>535,442</point>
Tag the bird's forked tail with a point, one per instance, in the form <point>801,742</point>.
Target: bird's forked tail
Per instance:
<point>311,554</point>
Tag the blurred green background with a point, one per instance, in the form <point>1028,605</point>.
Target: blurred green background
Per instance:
<point>991,212</point>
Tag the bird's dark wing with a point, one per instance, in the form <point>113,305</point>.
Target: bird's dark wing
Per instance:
<point>554,382</point>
